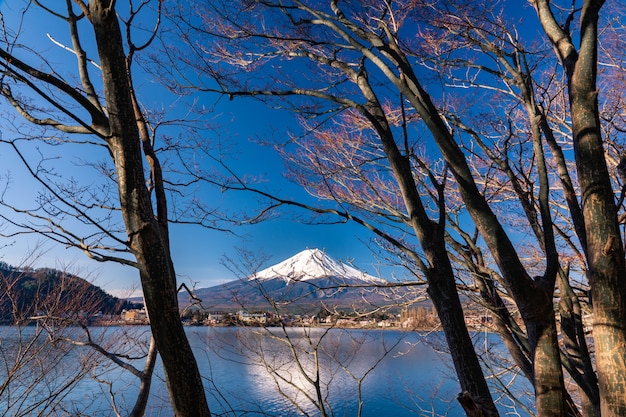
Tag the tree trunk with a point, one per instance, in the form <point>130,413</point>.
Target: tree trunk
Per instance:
<point>147,241</point>
<point>440,275</point>
<point>475,397</point>
<point>532,296</point>
<point>604,250</point>
<point>548,381</point>
<point>145,383</point>
<point>605,254</point>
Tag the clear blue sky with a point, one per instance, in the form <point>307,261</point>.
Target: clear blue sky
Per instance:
<point>197,252</point>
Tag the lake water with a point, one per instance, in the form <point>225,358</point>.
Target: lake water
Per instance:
<point>253,372</point>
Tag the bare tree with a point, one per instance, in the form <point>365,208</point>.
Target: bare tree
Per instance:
<point>30,381</point>
<point>98,105</point>
<point>602,241</point>
<point>374,61</point>
<point>45,358</point>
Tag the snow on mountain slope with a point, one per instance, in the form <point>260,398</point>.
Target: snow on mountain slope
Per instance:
<point>300,283</point>
<point>312,264</point>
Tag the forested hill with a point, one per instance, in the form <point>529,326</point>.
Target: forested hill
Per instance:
<point>26,293</point>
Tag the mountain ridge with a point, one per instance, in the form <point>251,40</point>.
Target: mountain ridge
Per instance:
<point>34,292</point>
<point>308,280</point>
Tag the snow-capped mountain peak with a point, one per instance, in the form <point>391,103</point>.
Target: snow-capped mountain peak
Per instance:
<point>311,264</point>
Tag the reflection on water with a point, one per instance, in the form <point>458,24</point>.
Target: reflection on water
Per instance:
<point>284,371</point>
<point>250,371</point>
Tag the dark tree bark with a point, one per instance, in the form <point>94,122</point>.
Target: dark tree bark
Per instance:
<point>439,274</point>
<point>148,238</point>
<point>532,296</point>
<point>445,298</point>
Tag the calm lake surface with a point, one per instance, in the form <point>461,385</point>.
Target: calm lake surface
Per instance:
<point>254,372</point>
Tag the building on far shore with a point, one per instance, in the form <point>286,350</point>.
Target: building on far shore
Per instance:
<point>249,318</point>
<point>215,317</point>
<point>135,316</point>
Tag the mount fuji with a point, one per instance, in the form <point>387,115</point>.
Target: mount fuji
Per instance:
<point>311,264</point>
<point>303,282</point>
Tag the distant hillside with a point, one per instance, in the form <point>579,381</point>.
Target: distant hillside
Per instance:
<point>25,293</point>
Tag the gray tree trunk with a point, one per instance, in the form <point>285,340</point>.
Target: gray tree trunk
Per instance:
<point>604,250</point>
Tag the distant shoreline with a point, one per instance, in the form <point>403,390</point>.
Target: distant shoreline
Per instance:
<point>297,326</point>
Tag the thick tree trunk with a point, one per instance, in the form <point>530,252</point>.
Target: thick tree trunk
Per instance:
<point>548,382</point>
<point>475,397</point>
<point>604,250</point>
<point>440,275</point>
<point>147,241</point>
<point>533,300</point>
<point>605,255</point>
